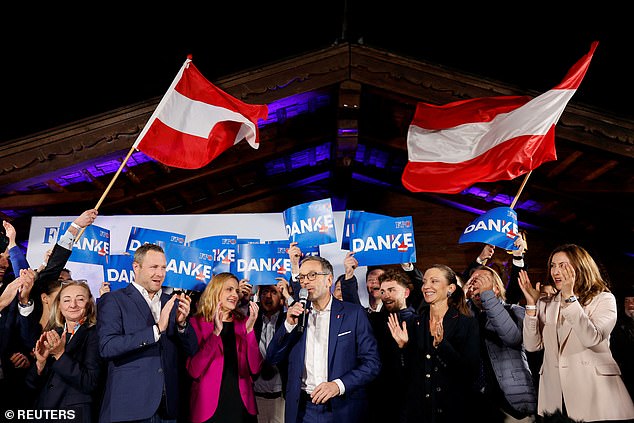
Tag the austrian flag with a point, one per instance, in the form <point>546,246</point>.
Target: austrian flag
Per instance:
<point>196,121</point>
<point>453,146</point>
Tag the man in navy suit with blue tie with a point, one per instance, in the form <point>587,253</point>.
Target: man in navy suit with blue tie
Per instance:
<point>144,335</point>
<point>332,360</point>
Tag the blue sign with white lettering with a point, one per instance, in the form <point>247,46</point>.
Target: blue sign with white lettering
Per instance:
<point>248,241</point>
<point>496,227</point>
<point>388,240</point>
<point>308,251</point>
<point>188,267</point>
<point>117,270</point>
<point>351,222</point>
<point>222,247</point>
<point>311,224</point>
<point>91,247</point>
<point>262,263</point>
<point>139,236</point>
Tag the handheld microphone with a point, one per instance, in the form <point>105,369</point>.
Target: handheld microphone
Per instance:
<point>303,298</point>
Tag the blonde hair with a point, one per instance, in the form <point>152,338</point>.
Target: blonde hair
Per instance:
<point>57,319</point>
<point>497,280</point>
<point>210,297</point>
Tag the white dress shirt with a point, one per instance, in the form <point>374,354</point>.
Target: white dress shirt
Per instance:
<point>155,306</point>
<point>273,384</point>
<point>316,356</point>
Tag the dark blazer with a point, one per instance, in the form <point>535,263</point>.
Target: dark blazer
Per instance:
<point>352,357</point>
<point>29,327</point>
<point>16,333</point>
<point>350,289</point>
<point>138,367</point>
<point>268,369</point>
<point>386,388</point>
<point>71,382</point>
<point>10,340</point>
<point>441,381</point>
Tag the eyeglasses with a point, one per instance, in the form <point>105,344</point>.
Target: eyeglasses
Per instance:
<point>311,276</point>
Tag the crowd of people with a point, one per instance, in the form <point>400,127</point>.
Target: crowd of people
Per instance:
<point>433,345</point>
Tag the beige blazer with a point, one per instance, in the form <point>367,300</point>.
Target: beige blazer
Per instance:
<point>577,362</point>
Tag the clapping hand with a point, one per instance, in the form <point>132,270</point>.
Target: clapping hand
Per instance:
<point>438,332</point>
<point>253,315</point>
<point>531,294</point>
<point>184,305</point>
<point>218,316</point>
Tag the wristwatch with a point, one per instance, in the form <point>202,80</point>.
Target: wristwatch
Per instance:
<point>570,299</point>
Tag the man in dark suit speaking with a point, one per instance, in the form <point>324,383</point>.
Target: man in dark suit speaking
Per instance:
<point>142,331</point>
<point>332,359</point>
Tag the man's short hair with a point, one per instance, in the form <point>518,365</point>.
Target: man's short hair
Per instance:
<point>396,276</point>
<point>140,253</point>
<point>326,267</point>
<point>371,269</point>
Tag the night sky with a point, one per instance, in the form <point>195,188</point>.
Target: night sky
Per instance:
<point>59,67</point>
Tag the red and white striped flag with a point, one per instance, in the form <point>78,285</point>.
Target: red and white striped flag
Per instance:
<point>196,121</point>
<point>451,147</point>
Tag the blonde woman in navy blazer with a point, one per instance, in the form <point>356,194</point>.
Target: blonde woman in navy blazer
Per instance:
<point>68,369</point>
<point>579,375</point>
<point>228,356</point>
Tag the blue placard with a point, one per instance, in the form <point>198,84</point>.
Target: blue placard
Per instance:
<point>496,227</point>
<point>248,241</point>
<point>310,224</point>
<point>351,222</point>
<point>308,251</point>
<point>188,267</point>
<point>262,263</point>
<point>139,236</point>
<point>349,225</point>
<point>117,270</point>
<point>223,249</point>
<point>92,247</point>
<point>388,240</point>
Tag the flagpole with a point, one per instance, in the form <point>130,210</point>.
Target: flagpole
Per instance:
<point>521,188</point>
<point>158,109</point>
<point>107,190</point>
<point>519,191</point>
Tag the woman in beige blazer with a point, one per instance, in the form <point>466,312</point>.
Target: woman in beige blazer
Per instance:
<point>578,375</point>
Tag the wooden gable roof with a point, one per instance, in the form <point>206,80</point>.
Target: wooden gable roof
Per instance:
<point>337,128</point>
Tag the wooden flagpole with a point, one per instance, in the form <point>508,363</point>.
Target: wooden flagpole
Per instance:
<point>521,188</point>
<point>112,181</point>
<point>158,109</point>
<point>519,191</point>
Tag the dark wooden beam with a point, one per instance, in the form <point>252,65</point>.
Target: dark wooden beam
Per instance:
<point>43,200</point>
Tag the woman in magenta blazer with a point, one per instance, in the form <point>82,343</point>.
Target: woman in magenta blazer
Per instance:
<point>227,358</point>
